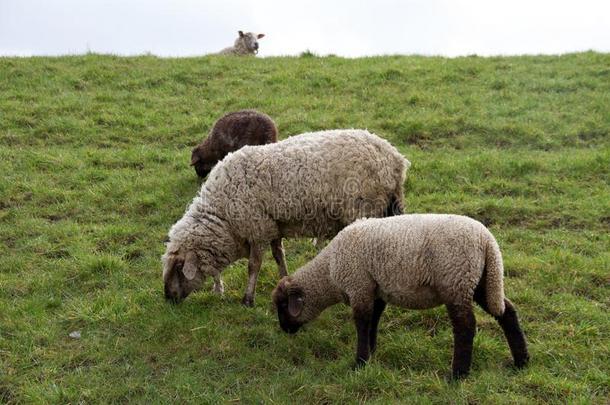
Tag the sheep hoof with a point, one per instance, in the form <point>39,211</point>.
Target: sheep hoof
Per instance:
<point>248,301</point>
<point>219,288</point>
<point>521,362</point>
<point>359,364</point>
<point>457,376</point>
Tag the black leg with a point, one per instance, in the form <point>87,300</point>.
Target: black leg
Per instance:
<point>394,207</point>
<point>514,335</point>
<point>464,329</point>
<point>363,317</point>
<point>377,311</point>
<point>510,326</point>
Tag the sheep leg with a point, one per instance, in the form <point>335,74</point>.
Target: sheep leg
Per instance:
<point>254,266</point>
<point>509,322</point>
<point>378,308</point>
<point>363,317</point>
<point>277,249</point>
<point>219,286</point>
<point>464,329</point>
<point>514,335</point>
<point>394,206</point>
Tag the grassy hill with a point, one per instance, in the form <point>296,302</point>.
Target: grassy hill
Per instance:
<point>94,154</point>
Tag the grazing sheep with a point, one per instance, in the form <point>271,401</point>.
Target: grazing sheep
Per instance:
<point>245,45</point>
<point>413,261</point>
<point>311,185</point>
<point>231,132</point>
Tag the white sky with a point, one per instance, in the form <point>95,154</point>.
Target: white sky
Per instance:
<point>342,27</point>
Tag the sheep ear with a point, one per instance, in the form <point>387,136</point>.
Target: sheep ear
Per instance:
<point>259,36</point>
<point>194,159</point>
<point>190,266</point>
<point>241,34</point>
<point>295,305</point>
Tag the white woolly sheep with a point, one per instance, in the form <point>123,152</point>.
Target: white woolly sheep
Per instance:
<point>413,261</point>
<point>311,185</point>
<point>245,45</point>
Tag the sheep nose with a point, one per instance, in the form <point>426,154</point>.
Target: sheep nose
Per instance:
<point>289,328</point>
<point>173,298</point>
<point>201,172</point>
<point>256,45</point>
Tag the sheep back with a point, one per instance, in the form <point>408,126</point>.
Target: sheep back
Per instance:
<point>312,184</point>
<point>417,261</point>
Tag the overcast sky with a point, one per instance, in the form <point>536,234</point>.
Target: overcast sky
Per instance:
<point>346,28</point>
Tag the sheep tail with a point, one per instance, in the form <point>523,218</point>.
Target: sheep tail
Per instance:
<point>493,273</point>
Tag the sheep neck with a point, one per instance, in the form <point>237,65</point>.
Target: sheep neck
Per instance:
<point>210,235</point>
<point>319,290</point>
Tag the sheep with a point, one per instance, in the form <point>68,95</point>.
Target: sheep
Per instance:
<point>229,133</point>
<point>414,261</point>
<point>245,45</point>
<point>310,185</point>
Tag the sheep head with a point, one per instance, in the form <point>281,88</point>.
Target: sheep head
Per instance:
<point>203,159</point>
<point>289,300</point>
<point>181,274</point>
<point>250,40</point>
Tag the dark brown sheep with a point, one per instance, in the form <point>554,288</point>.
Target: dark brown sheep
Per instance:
<point>230,133</point>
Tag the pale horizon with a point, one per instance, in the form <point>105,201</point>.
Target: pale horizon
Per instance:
<point>183,28</point>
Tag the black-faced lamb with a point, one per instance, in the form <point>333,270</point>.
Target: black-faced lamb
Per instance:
<point>413,261</point>
<point>230,133</point>
<point>245,45</point>
<point>310,185</point>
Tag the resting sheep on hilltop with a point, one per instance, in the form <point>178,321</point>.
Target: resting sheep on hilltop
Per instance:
<point>413,261</point>
<point>310,185</point>
<point>245,45</point>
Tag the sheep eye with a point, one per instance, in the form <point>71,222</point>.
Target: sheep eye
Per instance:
<point>179,264</point>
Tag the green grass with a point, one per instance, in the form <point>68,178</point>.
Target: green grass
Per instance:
<point>94,154</point>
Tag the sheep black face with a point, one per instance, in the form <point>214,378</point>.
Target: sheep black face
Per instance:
<point>203,161</point>
<point>181,275</point>
<point>289,301</point>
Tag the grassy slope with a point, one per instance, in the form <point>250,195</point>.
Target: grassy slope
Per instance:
<point>94,169</point>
